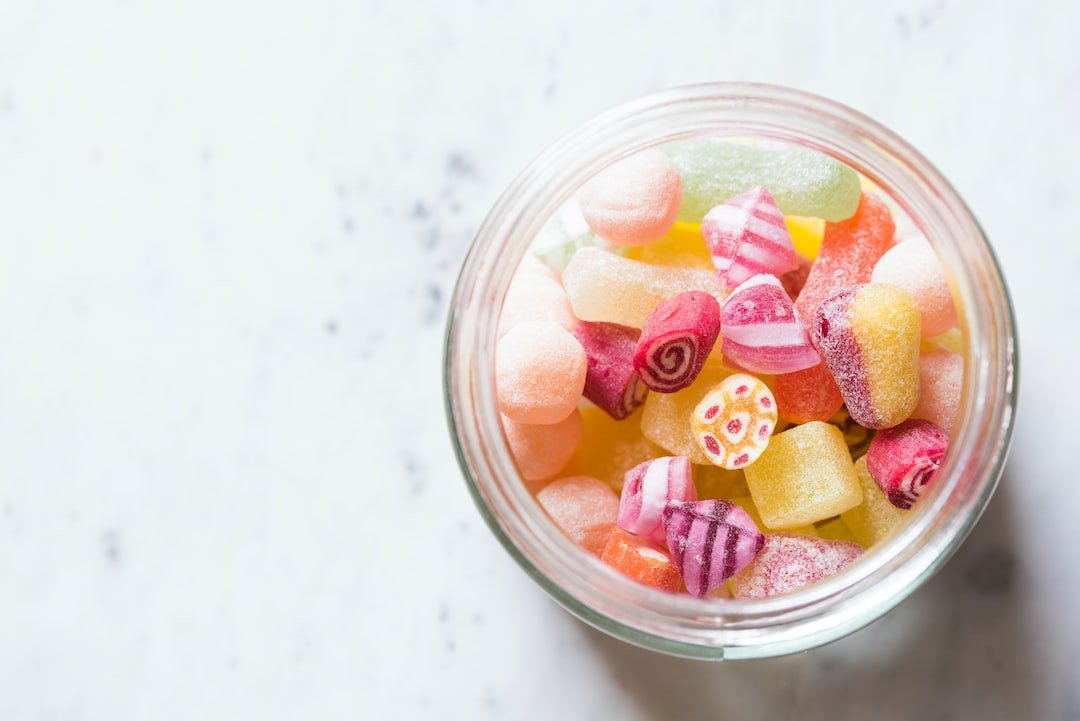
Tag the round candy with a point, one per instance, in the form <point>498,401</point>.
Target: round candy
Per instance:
<point>533,296</point>
<point>634,201</point>
<point>941,381</point>
<point>584,508</point>
<point>539,372</point>
<point>541,451</point>
<point>914,266</point>
<point>734,421</point>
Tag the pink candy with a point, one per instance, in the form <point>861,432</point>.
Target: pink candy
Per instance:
<point>676,340</point>
<point>904,460</point>
<point>747,236</point>
<point>634,201</point>
<point>648,489</point>
<point>789,562</point>
<point>914,266</point>
<point>941,379</point>
<point>762,332</point>
<point>611,381</point>
<point>541,451</point>
<point>539,372</point>
<point>584,508</point>
<point>710,541</point>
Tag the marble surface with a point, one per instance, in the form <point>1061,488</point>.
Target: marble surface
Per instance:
<point>228,232</point>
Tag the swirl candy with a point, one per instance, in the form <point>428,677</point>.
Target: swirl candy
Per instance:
<point>710,541</point>
<point>676,340</point>
<point>747,236</point>
<point>762,333</point>
<point>733,423</point>
<point>904,460</point>
<point>647,490</point>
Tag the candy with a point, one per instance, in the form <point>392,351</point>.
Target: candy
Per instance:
<point>716,482</point>
<point>633,201</point>
<point>788,562</point>
<point>806,234</point>
<point>648,489</point>
<point>541,451</point>
<point>804,476</point>
<point>950,340</point>
<point>794,280</point>
<point>807,395</point>
<point>904,460</point>
<point>605,287</point>
<point>762,333</point>
<point>732,424</point>
<point>832,529</point>
<point>665,417</point>
<point>535,296</point>
<point>539,372</point>
<point>710,541</point>
<point>941,380</point>
<point>849,251</point>
<point>869,336</point>
<point>609,448</point>
<point>803,182</point>
<point>640,560</point>
<point>677,338</point>
<point>611,381</point>
<point>874,518</point>
<point>532,266</point>
<point>914,266</point>
<point>563,235</point>
<point>747,236</point>
<point>584,508</point>
<point>747,504</point>
<point>683,246</point>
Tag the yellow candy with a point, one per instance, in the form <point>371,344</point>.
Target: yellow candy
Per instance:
<point>875,517</point>
<point>732,424</point>
<point>950,340</point>
<point>715,482</point>
<point>804,476</point>
<point>665,419</point>
<point>806,233</point>
<point>834,529</point>
<point>887,326</point>
<point>748,505</point>
<point>683,246</point>
<point>609,448</point>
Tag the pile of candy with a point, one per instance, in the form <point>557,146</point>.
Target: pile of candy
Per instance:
<point>698,347</point>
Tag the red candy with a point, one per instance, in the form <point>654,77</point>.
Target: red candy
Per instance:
<point>807,395</point>
<point>903,460</point>
<point>788,562</point>
<point>676,340</point>
<point>610,380</point>
<point>710,541</point>
<point>762,332</point>
<point>747,236</point>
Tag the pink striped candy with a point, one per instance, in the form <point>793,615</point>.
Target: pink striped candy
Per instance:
<point>647,490</point>
<point>762,331</point>
<point>904,459</point>
<point>746,236</point>
<point>710,541</point>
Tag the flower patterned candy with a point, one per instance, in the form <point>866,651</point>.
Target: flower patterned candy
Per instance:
<point>710,541</point>
<point>762,332</point>
<point>648,489</point>
<point>733,423</point>
<point>747,236</point>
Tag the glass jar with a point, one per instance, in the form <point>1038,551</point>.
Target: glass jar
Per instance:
<point>887,573</point>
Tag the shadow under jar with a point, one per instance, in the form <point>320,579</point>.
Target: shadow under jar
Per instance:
<point>719,628</point>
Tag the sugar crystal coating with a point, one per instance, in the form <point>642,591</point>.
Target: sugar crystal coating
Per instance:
<point>535,296</point>
<point>905,459</point>
<point>732,424</point>
<point>746,236</point>
<point>914,266</point>
<point>647,490</point>
<point>807,395</point>
<point>633,201</point>
<point>709,542</point>
<point>941,381</point>
<point>665,418</point>
<point>788,562</point>
<point>874,518</point>
<point>677,338</point>
<point>541,451</point>
<point>605,287</point>
<point>804,476</point>
<point>584,508</point>
<point>611,381</point>
<point>539,372</point>
<point>641,560</point>
<point>762,332</point>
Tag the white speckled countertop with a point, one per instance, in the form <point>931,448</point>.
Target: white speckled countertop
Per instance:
<point>227,237</point>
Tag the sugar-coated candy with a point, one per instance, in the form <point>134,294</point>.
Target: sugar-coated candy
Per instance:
<point>762,332</point>
<point>683,246</point>
<point>611,381</point>
<point>849,251</point>
<point>788,562</point>
<point>647,490</point>
<point>874,518</point>
<point>609,448</point>
<point>665,416</point>
<point>806,234</point>
<point>803,182</point>
<point>677,338</point>
<point>535,296</point>
<point>951,340</point>
<point>584,508</point>
<point>914,266</point>
<point>732,424</point>
<point>716,482</point>
<point>635,200</point>
<point>539,372</point>
<point>794,280</point>
<point>747,504</point>
<point>541,451</point>
<point>804,476</point>
<point>710,541</point>
<point>905,459</point>
<point>641,560</point>
<point>807,395</point>
<point>606,287</point>
<point>747,236</point>
<point>869,336</point>
<point>941,380</point>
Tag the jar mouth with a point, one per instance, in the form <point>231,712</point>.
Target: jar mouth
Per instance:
<point>886,573</point>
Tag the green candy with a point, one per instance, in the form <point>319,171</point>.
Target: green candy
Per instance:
<point>802,181</point>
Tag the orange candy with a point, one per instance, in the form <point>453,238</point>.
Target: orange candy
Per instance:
<point>640,560</point>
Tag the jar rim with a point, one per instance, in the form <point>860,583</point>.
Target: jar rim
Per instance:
<point>888,572</point>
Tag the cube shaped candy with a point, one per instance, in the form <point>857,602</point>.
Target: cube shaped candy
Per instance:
<point>804,476</point>
<point>876,516</point>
